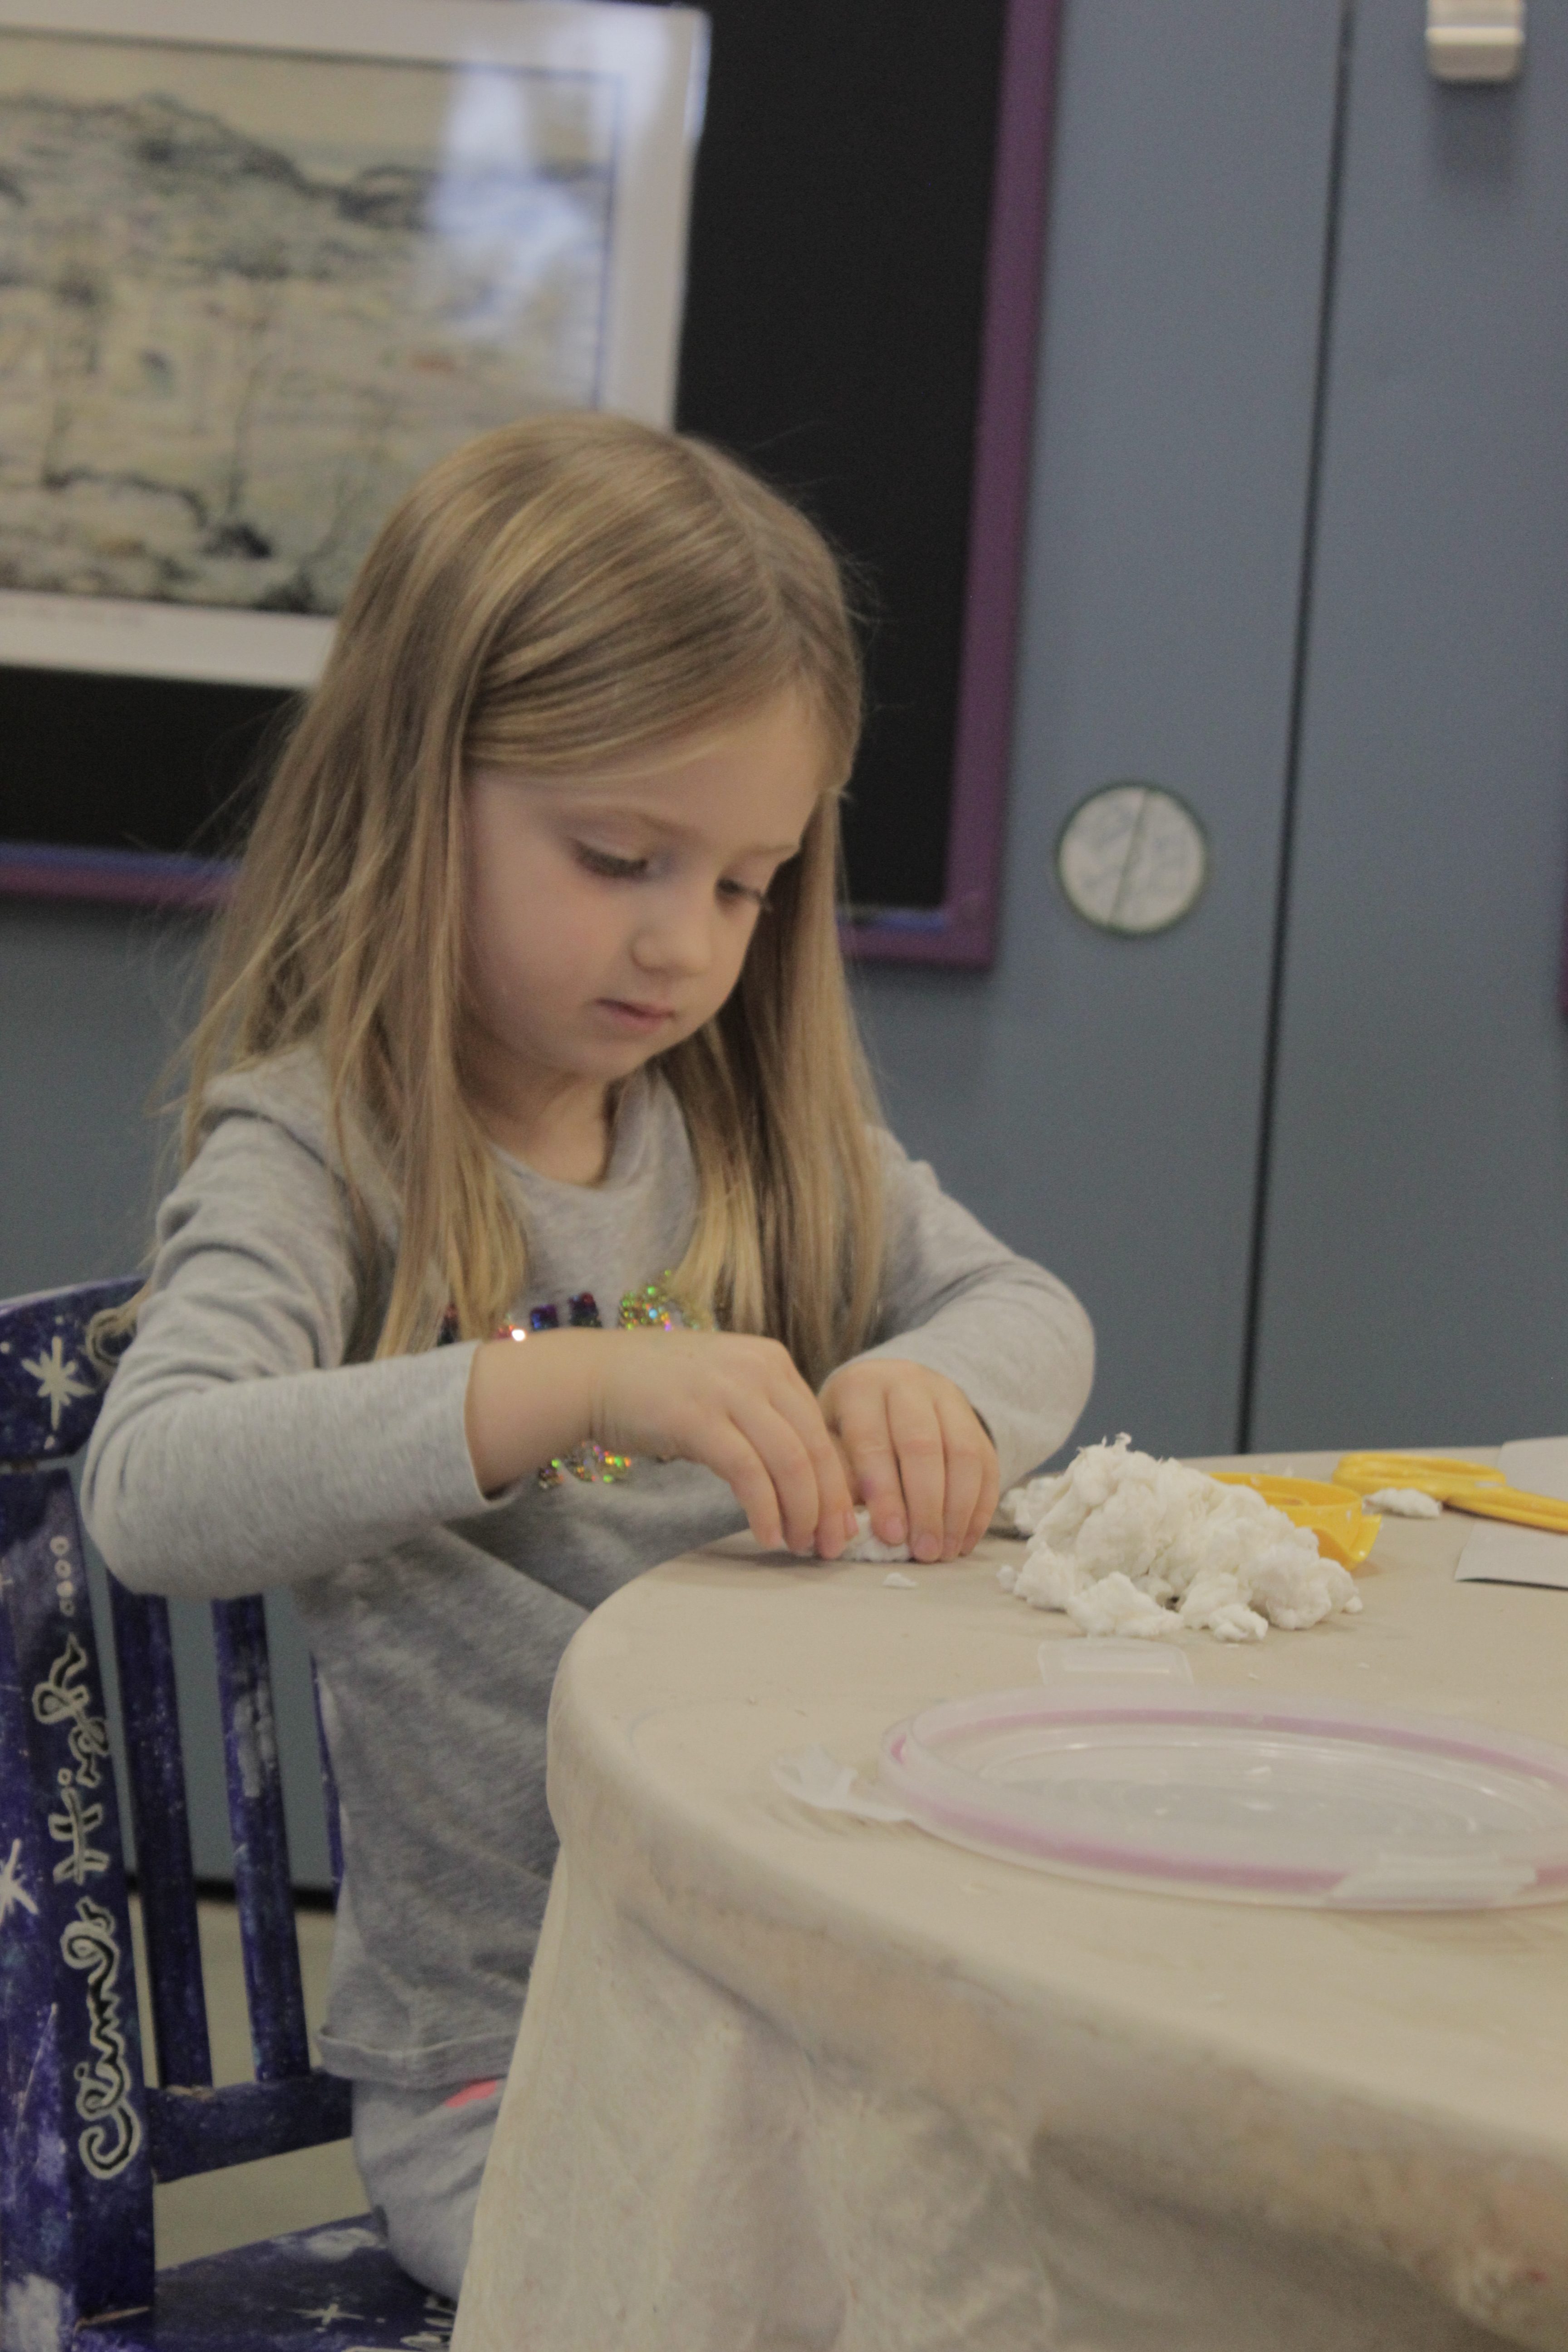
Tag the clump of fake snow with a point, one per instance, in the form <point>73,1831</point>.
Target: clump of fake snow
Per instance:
<point>1405,1502</point>
<point>864,1545</point>
<point>1127,1545</point>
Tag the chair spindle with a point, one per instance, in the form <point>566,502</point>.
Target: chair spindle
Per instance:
<point>158,1811</point>
<point>329,1790</point>
<point>263,1888</point>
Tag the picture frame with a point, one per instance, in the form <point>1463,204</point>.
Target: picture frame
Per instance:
<point>263,266</point>
<point>863,299</point>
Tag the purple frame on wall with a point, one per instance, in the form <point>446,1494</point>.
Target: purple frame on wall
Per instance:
<point>961,931</point>
<point>127,878</point>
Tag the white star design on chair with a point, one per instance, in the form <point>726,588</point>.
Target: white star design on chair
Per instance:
<point>324,2313</point>
<point>11,1891</point>
<point>56,1378</point>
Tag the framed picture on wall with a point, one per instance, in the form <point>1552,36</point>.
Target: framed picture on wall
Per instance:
<point>856,313</point>
<point>261,266</point>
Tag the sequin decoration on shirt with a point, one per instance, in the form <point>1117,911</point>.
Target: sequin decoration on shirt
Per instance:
<point>655,1307</point>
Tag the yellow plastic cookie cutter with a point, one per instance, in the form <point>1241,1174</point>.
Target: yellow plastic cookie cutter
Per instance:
<point>1333,1513</point>
<point>1474,1486</point>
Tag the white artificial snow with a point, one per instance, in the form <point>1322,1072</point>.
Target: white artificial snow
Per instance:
<point>1021,1508</point>
<point>865,1546</point>
<point>1127,1545</point>
<point>1115,1609</point>
<point>1404,1502</point>
<point>905,1583</point>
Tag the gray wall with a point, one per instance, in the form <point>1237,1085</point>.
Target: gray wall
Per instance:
<point>92,1006</point>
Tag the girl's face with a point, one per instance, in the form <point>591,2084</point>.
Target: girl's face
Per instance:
<point>609,915</point>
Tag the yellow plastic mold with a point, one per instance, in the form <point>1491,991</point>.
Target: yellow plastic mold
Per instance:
<point>1474,1486</point>
<point>1333,1513</point>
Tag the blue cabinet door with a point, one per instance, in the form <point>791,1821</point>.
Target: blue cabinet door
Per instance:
<point>1415,1269</point>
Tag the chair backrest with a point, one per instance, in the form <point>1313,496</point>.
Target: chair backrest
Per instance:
<point>83,2137</point>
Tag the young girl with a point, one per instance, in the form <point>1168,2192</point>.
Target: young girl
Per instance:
<point>528,1025</point>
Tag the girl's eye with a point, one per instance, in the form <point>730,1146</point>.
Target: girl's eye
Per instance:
<point>614,869</point>
<point>742,890</point>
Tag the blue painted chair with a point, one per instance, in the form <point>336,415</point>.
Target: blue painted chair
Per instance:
<point>83,2135</point>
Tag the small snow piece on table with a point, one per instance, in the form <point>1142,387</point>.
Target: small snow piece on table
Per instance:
<point>1404,1503</point>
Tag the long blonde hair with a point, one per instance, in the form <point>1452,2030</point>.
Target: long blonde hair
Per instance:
<point>566,591</point>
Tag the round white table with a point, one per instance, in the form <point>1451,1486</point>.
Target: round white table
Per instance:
<point>790,2080</point>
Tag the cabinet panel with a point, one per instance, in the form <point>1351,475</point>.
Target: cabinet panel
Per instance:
<point>1416,1262</point>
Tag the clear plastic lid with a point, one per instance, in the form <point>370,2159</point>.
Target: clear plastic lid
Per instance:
<point>1263,1798</point>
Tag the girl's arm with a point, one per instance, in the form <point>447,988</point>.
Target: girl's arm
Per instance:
<point>994,1332</point>
<point>236,1450</point>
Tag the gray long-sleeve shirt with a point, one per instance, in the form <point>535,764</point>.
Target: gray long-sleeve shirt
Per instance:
<point>242,1445</point>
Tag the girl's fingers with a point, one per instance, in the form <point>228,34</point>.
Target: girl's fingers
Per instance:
<point>974,1474</point>
<point>919,1456</point>
<point>867,1440</point>
<point>729,1456</point>
<point>789,1468</point>
<point>738,1406</point>
<point>835,1517</point>
<point>990,1495</point>
<point>846,1463</point>
<point>964,1449</point>
<point>789,1438</point>
<point>917,1440</point>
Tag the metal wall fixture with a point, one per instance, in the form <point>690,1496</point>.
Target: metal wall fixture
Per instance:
<point>1132,858</point>
<point>1474,40</point>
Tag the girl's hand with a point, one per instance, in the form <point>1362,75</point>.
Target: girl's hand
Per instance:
<point>736,1404</point>
<point>917,1454</point>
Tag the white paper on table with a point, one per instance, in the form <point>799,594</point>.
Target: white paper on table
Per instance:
<point>1501,1553</point>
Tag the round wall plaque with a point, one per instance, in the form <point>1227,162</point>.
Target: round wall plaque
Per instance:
<point>1132,858</point>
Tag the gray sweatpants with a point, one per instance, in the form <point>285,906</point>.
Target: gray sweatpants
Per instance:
<point>420,2155</point>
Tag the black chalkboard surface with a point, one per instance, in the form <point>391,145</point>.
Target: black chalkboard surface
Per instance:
<point>843,262</point>
<point>93,761</point>
<point>837,276</point>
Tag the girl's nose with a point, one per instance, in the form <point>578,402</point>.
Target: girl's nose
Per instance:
<point>677,938</point>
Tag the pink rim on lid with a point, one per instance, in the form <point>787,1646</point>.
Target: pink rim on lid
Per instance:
<point>1270,1799</point>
